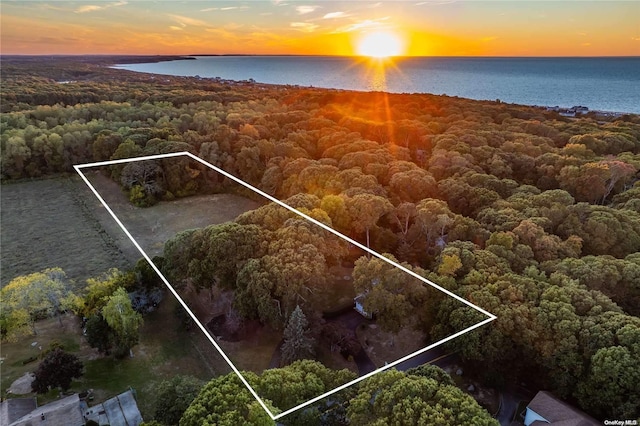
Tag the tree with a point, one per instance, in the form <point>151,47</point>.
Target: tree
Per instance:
<point>619,171</point>
<point>31,297</point>
<point>56,370</point>
<point>225,401</point>
<point>391,397</point>
<point>612,387</point>
<point>365,211</point>
<point>144,180</point>
<point>432,372</point>
<point>123,320</point>
<point>99,289</point>
<point>297,343</point>
<point>98,333</point>
<point>299,382</point>
<point>174,396</point>
<point>412,185</point>
<point>390,293</point>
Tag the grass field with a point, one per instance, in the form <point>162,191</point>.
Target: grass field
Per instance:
<point>153,226</point>
<point>46,224</point>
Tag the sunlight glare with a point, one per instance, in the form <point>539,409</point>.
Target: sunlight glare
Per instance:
<point>380,44</point>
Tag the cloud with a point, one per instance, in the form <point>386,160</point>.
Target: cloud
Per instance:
<point>366,24</point>
<point>223,9</point>
<point>93,8</point>
<point>586,44</point>
<point>303,10</point>
<point>174,28</point>
<point>184,20</point>
<point>88,8</point>
<point>490,38</point>
<point>635,38</point>
<point>435,2</point>
<point>304,26</point>
<point>47,6</point>
<point>334,15</point>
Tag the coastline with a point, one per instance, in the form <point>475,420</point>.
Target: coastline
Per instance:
<point>563,111</point>
<point>396,81</point>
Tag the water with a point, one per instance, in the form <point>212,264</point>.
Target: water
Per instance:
<point>606,84</point>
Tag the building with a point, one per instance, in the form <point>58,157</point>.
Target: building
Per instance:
<point>121,410</point>
<point>545,409</point>
<point>358,300</point>
<point>63,412</point>
<point>15,408</point>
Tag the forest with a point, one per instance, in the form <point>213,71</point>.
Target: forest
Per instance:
<point>533,216</point>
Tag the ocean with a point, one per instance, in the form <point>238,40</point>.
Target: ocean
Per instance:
<point>604,84</point>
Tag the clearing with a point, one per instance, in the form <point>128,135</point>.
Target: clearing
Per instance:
<point>153,226</point>
<point>46,224</point>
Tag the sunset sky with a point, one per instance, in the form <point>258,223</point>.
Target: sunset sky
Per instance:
<point>432,27</point>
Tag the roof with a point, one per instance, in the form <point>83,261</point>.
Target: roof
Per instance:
<point>121,410</point>
<point>63,412</point>
<point>558,412</point>
<point>12,409</point>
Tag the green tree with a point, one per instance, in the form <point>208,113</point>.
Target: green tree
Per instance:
<point>56,370</point>
<point>365,211</point>
<point>297,342</point>
<point>123,320</point>
<point>98,333</point>
<point>391,397</point>
<point>174,396</point>
<point>99,289</point>
<point>225,401</point>
<point>299,382</point>
<point>612,387</point>
<point>432,372</point>
<point>388,292</point>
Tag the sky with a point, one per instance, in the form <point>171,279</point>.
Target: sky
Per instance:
<point>425,28</point>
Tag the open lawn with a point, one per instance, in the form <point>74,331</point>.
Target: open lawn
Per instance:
<point>45,224</point>
<point>153,226</point>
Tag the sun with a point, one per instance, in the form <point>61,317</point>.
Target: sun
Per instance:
<point>380,44</point>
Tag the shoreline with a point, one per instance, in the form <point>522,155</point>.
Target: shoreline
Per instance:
<point>568,110</point>
<point>546,108</point>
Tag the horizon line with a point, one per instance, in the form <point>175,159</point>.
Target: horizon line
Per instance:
<point>191,55</point>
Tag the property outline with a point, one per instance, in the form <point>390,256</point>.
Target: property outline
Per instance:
<point>490,316</point>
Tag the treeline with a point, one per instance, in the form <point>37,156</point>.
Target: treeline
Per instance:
<point>424,395</point>
<point>533,216</point>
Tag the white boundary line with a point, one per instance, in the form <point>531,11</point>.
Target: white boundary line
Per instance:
<point>490,316</point>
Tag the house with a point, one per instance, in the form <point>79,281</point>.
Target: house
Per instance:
<point>121,410</point>
<point>63,412</point>
<point>15,408</point>
<point>545,409</point>
<point>358,300</point>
